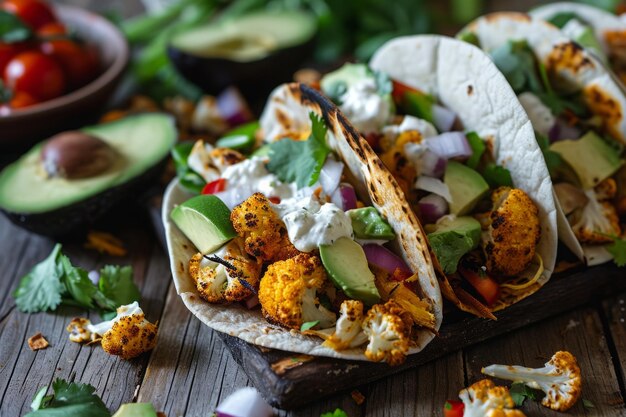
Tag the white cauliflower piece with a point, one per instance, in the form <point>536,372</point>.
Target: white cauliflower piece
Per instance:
<point>560,379</point>
<point>485,399</point>
<point>348,332</point>
<point>388,328</point>
<point>597,222</point>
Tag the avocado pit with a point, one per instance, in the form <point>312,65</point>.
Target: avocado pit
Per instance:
<point>75,155</point>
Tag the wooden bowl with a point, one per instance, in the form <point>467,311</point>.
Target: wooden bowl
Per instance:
<point>23,127</point>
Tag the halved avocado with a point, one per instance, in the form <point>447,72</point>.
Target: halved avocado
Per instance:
<point>254,52</point>
<point>56,205</point>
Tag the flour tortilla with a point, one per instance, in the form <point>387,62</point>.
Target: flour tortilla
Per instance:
<point>464,80</point>
<point>289,107</point>
<point>603,95</point>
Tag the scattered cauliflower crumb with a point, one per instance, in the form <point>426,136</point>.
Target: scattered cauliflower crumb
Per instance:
<point>560,379</point>
<point>388,328</point>
<point>127,335</point>
<point>485,399</point>
<point>512,232</point>
<point>597,222</point>
<point>226,276</point>
<point>264,232</point>
<point>288,292</point>
<point>348,332</point>
<point>37,342</point>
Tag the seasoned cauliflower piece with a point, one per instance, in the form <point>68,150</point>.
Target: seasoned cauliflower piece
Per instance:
<point>597,222</point>
<point>606,190</point>
<point>210,162</point>
<point>226,276</point>
<point>485,399</point>
<point>388,329</point>
<point>264,233</point>
<point>511,232</point>
<point>396,160</point>
<point>348,332</point>
<point>289,290</point>
<point>560,379</point>
<point>127,335</point>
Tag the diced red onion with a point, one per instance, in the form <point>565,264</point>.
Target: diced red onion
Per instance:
<point>344,197</point>
<point>233,107</point>
<point>245,402</point>
<point>94,277</point>
<point>432,208</point>
<point>252,302</point>
<point>383,258</point>
<point>434,185</point>
<point>432,164</point>
<point>443,118</point>
<point>330,175</point>
<point>561,130</point>
<point>450,145</point>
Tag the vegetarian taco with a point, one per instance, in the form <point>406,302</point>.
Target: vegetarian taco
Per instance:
<point>446,124</point>
<point>312,227</point>
<point>593,28</point>
<point>577,111</point>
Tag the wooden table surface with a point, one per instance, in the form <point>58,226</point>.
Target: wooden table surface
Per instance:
<point>190,371</point>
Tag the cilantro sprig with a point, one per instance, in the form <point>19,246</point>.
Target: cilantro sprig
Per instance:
<point>69,399</point>
<point>55,281</point>
<point>300,161</point>
<point>618,250</point>
<point>519,392</point>
<point>337,413</point>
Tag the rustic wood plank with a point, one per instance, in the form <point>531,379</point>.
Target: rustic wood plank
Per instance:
<point>22,371</point>
<point>579,332</point>
<point>614,314</point>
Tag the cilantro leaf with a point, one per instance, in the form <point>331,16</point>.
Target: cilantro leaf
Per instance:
<point>519,392</point>
<point>12,29</point>
<point>517,62</point>
<point>478,149</point>
<point>618,250</point>
<point>71,399</point>
<point>309,325</point>
<point>497,176</point>
<point>41,288</point>
<point>337,413</point>
<point>77,283</point>
<point>588,404</point>
<point>116,284</point>
<point>300,161</point>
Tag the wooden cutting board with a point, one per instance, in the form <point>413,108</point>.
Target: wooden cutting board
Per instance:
<point>288,380</point>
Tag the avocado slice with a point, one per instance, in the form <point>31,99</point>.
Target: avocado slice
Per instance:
<point>347,267</point>
<point>205,220</point>
<point>367,223</point>
<point>590,157</point>
<point>452,238</point>
<point>136,410</point>
<point>466,187</point>
<point>249,37</point>
<point>55,206</point>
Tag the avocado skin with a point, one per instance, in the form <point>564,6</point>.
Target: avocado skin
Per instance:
<point>255,79</point>
<point>74,217</point>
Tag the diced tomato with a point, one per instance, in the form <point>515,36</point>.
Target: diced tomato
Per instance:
<point>275,200</point>
<point>399,89</point>
<point>214,186</point>
<point>486,286</point>
<point>453,408</point>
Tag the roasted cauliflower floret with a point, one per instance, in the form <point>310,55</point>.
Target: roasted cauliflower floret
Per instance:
<point>485,399</point>
<point>597,222</point>
<point>226,276</point>
<point>511,232</point>
<point>265,235</point>
<point>348,331</point>
<point>127,335</point>
<point>388,329</point>
<point>606,190</point>
<point>210,162</point>
<point>288,292</point>
<point>560,379</point>
<point>395,159</point>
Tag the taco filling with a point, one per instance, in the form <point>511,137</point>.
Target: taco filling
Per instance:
<point>575,128</point>
<point>482,230</point>
<point>316,257</point>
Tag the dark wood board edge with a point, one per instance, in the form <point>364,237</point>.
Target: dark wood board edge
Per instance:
<point>320,377</point>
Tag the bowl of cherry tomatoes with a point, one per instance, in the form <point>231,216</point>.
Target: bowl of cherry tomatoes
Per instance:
<point>58,66</point>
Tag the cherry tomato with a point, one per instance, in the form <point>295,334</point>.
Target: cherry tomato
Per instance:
<point>79,63</point>
<point>52,29</point>
<point>22,99</point>
<point>274,199</point>
<point>36,74</point>
<point>34,13</point>
<point>214,186</point>
<point>486,286</point>
<point>8,51</point>
<point>453,408</point>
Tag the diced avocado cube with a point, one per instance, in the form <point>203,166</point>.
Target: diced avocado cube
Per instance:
<point>367,223</point>
<point>454,237</point>
<point>466,187</point>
